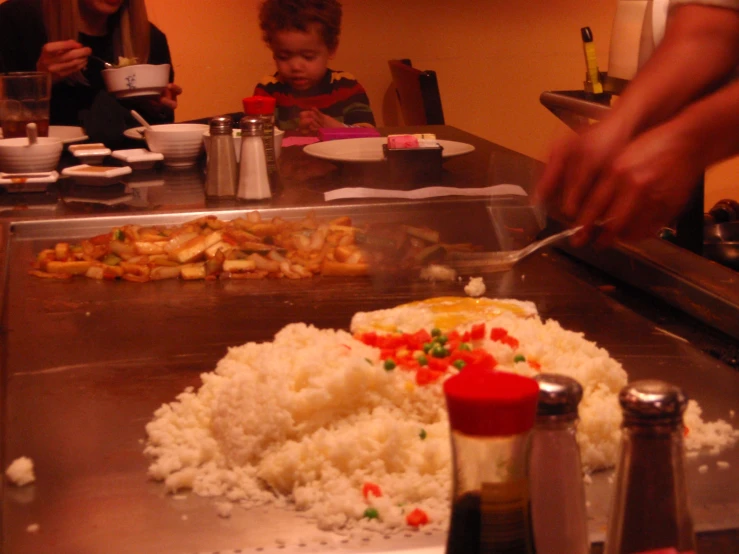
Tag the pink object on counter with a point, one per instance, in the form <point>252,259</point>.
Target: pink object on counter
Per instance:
<point>402,141</point>
<point>346,133</point>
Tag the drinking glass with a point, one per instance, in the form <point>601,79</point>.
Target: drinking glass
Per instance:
<point>24,98</point>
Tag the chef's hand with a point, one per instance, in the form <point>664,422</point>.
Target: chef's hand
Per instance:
<point>633,188</point>
<point>312,120</point>
<point>62,59</point>
<point>169,96</point>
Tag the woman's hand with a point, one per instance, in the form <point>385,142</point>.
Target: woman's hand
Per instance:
<point>169,96</point>
<point>312,120</point>
<point>62,59</point>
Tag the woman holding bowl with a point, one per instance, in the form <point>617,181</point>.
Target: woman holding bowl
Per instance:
<point>70,39</point>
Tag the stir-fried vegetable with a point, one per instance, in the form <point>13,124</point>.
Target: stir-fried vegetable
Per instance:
<point>244,248</point>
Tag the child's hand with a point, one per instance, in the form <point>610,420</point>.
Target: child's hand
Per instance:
<point>312,120</point>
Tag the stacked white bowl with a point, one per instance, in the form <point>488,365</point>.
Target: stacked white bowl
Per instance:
<point>18,156</point>
<point>179,143</point>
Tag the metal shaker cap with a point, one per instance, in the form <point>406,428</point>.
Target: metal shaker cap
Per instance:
<point>220,125</point>
<point>251,126</point>
<point>652,401</point>
<point>559,397</point>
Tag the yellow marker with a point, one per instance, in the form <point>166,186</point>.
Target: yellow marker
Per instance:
<point>591,62</point>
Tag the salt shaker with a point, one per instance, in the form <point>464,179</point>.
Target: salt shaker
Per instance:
<point>222,172</point>
<point>253,176</point>
<point>557,491</point>
<point>491,414</point>
<point>650,508</point>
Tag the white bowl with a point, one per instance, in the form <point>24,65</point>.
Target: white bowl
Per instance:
<point>279,135</point>
<point>179,143</point>
<point>137,80</point>
<point>17,156</point>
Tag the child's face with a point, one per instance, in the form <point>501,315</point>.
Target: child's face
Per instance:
<point>301,57</point>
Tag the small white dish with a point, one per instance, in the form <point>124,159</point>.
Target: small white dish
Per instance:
<point>180,143</point>
<point>68,133</point>
<point>18,156</point>
<point>96,175</point>
<point>27,182</point>
<point>138,158</point>
<point>137,80</point>
<point>92,154</point>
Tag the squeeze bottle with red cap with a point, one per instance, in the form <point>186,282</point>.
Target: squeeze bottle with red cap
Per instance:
<point>263,107</point>
<point>491,414</point>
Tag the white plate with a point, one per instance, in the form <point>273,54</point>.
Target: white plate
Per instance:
<point>27,182</point>
<point>370,149</point>
<point>138,158</point>
<point>135,133</point>
<point>92,154</point>
<point>96,175</point>
<point>66,133</point>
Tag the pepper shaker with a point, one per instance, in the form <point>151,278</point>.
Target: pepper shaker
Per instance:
<point>221,170</point>
<point>253,176</point>
<point>650,509</point>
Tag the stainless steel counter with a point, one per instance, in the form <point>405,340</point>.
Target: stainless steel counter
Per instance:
<point>86,363</point>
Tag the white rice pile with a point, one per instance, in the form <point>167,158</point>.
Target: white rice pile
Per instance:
<point>308,419</point>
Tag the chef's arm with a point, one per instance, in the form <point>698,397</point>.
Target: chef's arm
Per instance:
<point>699,52</point>
<point>712,122</point>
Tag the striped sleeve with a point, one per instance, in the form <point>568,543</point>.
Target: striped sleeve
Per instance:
<point>351,100</point>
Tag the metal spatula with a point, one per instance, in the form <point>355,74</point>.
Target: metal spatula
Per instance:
<point>501,261</point>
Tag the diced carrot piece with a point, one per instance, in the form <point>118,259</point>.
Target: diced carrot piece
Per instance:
<point>478,331</point>
<point>371,488</point>
<point>417,518</point>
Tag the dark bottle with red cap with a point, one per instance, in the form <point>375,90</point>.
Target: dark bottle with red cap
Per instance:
<point>491,415</point>
<point>263,107</point>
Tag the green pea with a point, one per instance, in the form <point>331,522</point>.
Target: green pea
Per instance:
<point>423,434</point>
<point>389,364</point>
<point>441,339</point>
<point>519,358</point>
<point>371,513</point>
<point>440,352</point>
<point>465,346</point>
<point>427,346</point>
<point>423,360</point>
<point>459,364</point>
<point>435,332</point>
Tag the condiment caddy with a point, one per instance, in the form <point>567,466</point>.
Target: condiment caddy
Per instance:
<point>27,182</point>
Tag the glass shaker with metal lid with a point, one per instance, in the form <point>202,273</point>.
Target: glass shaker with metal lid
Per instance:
<point>491,414</point>
<point>650,509</point>
<point>557,490</point>
<point>222,171</point>
<point>253,177</point>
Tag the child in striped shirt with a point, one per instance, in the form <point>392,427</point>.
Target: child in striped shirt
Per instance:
<point>303,36</point>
